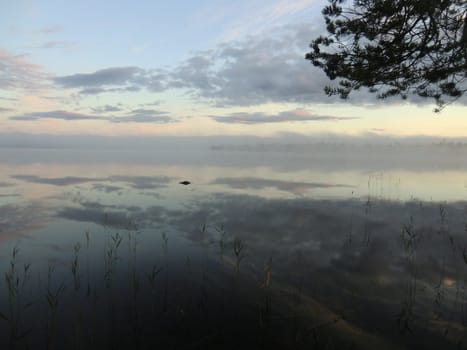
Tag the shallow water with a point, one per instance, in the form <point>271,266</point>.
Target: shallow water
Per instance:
<point>331,248</point>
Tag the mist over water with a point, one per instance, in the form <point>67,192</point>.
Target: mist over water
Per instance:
<point>289,245</point>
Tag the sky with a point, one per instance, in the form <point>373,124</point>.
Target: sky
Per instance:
<point>185,68</point>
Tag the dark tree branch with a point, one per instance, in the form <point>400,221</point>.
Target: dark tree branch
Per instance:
<point>395,47</point>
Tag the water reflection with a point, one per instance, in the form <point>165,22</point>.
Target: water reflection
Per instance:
<point>126,255</point>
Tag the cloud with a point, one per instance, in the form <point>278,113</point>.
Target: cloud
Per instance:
<point>254,17</point>
<point>16,72</point>
<point>103,77</point>
<point>92,91</point>
<point>256,70</point>
<point>146,112</point>
<point>144,116</point>
<point>268,67</point>
<point>56,45</point>
<point>285,8</point>
<point>64,115</point>
<point>8,98</point>
<point>159,119</point>
<point>51,29</point>
<point>259,69</point>
<point>3,195</point>
<point>287,116</point>
<point>115,79</point>
<point>98,90</point>
<point>265,68</point>
<point>106,109</point>
<point>4,109</point>
<point>149,116</point>
<point>154,103</point>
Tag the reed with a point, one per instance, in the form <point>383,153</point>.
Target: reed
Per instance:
<point>53,298</point>
<point>238,248</point>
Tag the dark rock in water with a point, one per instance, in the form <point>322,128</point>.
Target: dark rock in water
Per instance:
<point>184,182</point>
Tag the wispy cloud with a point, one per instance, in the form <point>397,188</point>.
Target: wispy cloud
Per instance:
<point>56,45</point>
<point>159,119</point>
<point>137,116</point>
<point>260,17</point>
<point>8,98</point>
<point>286,8</point>
<point>146,112</point>
<point>106,109</point>
<point>17,72</point>
<point>63,115</point>
<point>154,103</point>
<point>7,195</point>
<point>4,109</point>
<point>52,29</point>
<point>287,116</point>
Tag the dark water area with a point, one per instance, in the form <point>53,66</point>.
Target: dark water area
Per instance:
<point>287,252</point>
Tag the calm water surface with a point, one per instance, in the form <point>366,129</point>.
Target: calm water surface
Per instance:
<point>283,249</point>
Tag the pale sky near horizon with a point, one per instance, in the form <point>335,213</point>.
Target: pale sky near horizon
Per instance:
<point>184,68</point>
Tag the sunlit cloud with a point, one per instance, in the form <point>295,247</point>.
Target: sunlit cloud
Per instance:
<point>16,72</point>
<point>160,119</point>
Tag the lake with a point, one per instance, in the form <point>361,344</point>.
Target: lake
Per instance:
<point>268,246</point>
